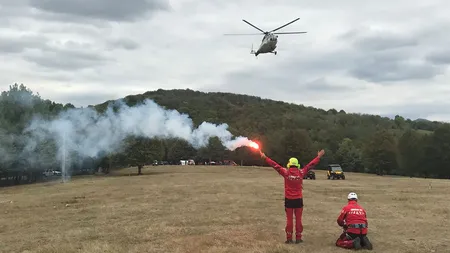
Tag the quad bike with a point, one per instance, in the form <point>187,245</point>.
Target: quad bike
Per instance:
<point>311,175</point>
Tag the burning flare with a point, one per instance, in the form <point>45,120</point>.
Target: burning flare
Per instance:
<point>253,144</point>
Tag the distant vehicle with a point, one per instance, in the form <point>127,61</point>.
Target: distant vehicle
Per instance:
<point>85,171</point>
<point>310,175</point>
<point>49,173</point>
<point>187,162</point>
<point>229,162</point>
<point>335,172</point>
<point>156,163</point>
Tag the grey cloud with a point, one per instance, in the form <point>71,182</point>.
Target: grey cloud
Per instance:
<point>21,15</point>
<point>382,57</point>
<point>381,42</point>
<point>72,56</point>
<point>319,63</point>
<point>66,60</point>
<point>124,43</point>
<point>95,31</point>
<point>13,3</point>
<point>323,85</point>
<point>434,34</point>
<point>86,98</point>
<point>12,6</point>
<point>108,10</point>
<point>297,75</point>
<point>50,74</point>
<point>50,18</point>
<point>378,70</point>
<point>291,80</point>
<point>13,10</point>
<point>18,44</point>
<point>308,68</point>
<point>440,57</point>
<point>366,39</point>
<point>387,57</point>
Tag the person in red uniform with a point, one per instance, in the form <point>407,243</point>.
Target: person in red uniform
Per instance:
<point>293,186</point>
<point>353,219</point>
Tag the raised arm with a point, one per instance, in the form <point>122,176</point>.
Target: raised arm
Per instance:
<point>314,162</point>
<point>280,169</point>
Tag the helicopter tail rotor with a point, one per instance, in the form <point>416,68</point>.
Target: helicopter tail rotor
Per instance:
<point>254,52</point>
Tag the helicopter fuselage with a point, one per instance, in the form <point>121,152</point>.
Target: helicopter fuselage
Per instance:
<point>268,44</point>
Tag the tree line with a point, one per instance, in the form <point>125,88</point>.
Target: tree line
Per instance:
<point>358,142</point>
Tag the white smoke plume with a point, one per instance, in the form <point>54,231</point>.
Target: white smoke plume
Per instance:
<point>89,133</point>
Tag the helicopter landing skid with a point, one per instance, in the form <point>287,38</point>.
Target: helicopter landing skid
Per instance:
<point>274,52</point>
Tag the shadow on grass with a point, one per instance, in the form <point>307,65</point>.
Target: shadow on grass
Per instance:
<point>134,174</point>
<point>148,173</point>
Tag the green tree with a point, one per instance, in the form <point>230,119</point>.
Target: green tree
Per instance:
<point>285,130</point>
<point>179,149</point>
<point>297,143</point>
<point>399,121</point>
<point>141,151</point>
<point>380,153</point>
<point>214,151</point>
<point>411,152</point>
<point>437,160</point>
<point>348,156</point>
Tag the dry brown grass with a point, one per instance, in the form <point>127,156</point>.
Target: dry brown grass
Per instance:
<point>216,209</point>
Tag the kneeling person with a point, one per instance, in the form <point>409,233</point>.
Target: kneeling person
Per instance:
<point>353,219</point>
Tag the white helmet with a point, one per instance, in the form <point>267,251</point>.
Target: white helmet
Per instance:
<point>352,195</point>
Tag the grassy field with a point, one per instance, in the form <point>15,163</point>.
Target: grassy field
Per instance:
<point>216,209</point>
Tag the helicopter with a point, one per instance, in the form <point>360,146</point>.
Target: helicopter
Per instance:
<point>270,39</point>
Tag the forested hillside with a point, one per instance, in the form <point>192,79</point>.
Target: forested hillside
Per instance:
<point>364,143</point>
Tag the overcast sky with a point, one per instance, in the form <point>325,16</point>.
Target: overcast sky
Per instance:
<point>383,57</point>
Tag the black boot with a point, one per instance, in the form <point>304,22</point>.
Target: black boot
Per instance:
<point>289,241</point>
<point>357,243</point>
<point>298,241</point>
<point>366,244</point>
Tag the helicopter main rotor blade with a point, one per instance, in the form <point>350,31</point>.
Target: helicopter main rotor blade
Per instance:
<point>290,33</point>
<point>285,25</point>
<point>242,34</point>
<point>253,26</point>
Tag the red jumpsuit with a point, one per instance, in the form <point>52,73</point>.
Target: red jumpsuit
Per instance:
<point>354,220</point>
<point>293,181</point>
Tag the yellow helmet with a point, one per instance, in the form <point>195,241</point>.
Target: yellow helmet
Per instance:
<point>293,162</point>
